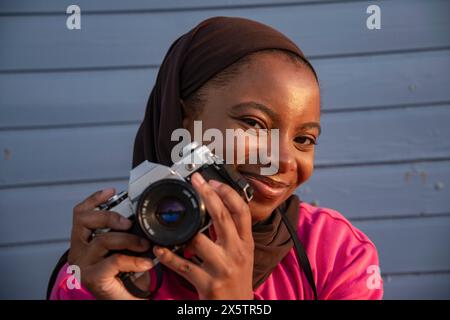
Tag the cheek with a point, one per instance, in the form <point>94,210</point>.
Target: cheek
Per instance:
<point>227,142</point>
<point>305,167</point>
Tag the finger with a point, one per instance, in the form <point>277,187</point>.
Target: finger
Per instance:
<point>102,244</point>
<point>223,224</point>
<point>85,222</point>
<point>237,207</point>
<point>94,200</point>
<point>205,249</point>
<point>116,263</point>
<point>190,271</point>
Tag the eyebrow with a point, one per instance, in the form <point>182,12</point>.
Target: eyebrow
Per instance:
<point>311,125</point>
<point>255,105</point>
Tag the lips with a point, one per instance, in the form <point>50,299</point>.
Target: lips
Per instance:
<point>264,186</point>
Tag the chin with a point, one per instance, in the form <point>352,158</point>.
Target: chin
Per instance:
<point>261,210</point>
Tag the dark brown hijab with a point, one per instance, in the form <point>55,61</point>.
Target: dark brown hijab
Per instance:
<point>191,61</point>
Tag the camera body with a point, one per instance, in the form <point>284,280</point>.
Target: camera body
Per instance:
<point>161,202</point>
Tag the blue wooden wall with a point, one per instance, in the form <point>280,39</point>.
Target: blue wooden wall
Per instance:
<point>71,101</point>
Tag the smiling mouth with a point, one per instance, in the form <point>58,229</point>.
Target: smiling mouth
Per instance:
<point>265,186</point>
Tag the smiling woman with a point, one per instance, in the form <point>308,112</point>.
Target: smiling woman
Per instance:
<point>252,93</point>
<point>268,91</point>
<point>233,73</point>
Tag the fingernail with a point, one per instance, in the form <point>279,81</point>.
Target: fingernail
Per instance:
<point>107,191</point>
<point>198,179</point>
<point>147,264</point>
<point>158,250</point>
<point>215,184</point>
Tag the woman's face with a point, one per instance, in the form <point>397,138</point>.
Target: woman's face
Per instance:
<point>270,92</point>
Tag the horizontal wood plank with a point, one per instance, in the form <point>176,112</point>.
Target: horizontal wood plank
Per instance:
<point>66,154</point>
<point>90,97</point>
<point>410,245</point>
<point>56,6</point>
<point>378,191</point>
<point>105,40</point>
<point>421,286</point>
<point>25,271</point>
<point>382,136</point>
<point>42,208</point>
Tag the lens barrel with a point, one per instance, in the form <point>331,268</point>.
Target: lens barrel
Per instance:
<point>170,212</point>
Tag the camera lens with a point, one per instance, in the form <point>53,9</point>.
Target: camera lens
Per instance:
<point>170,211</point>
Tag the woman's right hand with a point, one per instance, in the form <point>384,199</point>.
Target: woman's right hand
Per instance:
<point>99,271</point>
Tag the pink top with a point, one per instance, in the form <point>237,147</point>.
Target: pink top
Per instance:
<point>343,260</point>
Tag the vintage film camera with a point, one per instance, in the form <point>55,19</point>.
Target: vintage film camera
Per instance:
<point>162,203</point>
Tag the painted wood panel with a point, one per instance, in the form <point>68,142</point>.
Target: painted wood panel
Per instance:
<point>136,39</point>
<point>117,96</point>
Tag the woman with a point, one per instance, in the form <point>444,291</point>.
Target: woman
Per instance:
<point>233,73</point>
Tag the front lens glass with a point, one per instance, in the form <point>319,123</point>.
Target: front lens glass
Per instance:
<point>170,211</point>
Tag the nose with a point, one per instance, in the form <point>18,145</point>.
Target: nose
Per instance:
<point>287,161</point>
<point>282,154</point>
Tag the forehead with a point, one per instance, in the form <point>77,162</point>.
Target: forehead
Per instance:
<point>277,81</point>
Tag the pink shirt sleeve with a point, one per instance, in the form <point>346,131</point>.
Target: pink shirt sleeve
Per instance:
<point>356,278</point>
<point>61,290</point>
<point>345,260</point>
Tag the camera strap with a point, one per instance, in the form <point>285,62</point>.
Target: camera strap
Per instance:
<point>127,280</point>
<point>301,254</point>
<point>51,283</point>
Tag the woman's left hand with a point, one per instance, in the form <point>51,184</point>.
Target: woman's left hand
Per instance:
<point>227,269</point>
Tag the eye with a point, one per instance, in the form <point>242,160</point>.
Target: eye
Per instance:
<point>253,123</point>
<point>305,141</point>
